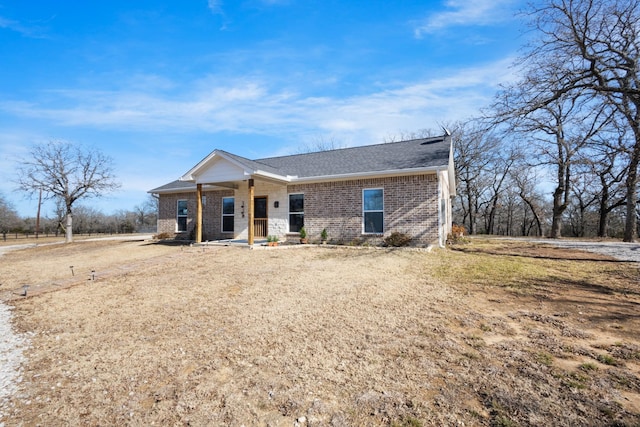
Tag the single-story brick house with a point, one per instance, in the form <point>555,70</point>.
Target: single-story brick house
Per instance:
<point>356,194</point>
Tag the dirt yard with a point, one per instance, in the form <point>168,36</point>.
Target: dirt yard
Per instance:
<point>489,333</point>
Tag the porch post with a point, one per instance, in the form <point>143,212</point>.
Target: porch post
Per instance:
<point>198,213</point>
<point>251,213</point>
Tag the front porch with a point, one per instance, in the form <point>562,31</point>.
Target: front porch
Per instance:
<point>246,211</point>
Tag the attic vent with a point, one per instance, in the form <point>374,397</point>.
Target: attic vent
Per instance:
<point>431,141</point>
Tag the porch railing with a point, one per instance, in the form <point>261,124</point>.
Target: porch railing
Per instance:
<point>260,227</point>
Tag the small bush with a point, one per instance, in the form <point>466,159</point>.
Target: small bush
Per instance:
<point>397,239</point>
<point>163,236</point>
<point>544,358</point>
<point>458,230</point>
<point>457,234</point>
<point>607,360</point>
<point>587,367</point>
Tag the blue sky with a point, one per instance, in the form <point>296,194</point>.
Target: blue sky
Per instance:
<point>158,85</point>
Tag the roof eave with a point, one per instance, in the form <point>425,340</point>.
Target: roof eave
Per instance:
<point>282,178</point>
<point>187,189</point>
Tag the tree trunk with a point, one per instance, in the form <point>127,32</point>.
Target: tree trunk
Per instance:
<point>560,195</point>
<point>631,226</point>
<point>472,215</point>
<point>558,210</point>
<point>604,212</point>
<point>535,216</point>
<point>69,228</point>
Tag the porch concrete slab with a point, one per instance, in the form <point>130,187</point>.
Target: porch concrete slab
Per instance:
<point>233,242</point>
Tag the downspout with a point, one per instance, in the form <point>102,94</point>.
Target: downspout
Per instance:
<point>439,201</point>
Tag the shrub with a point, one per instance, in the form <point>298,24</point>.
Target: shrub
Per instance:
<point>458,230</point>
<point>457,234</point>
<point>397,239</point>
<point>163,236</point>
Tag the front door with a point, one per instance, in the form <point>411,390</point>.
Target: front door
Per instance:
<point>260,217</point>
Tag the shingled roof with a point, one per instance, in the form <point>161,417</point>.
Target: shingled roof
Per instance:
<point>412,155</point>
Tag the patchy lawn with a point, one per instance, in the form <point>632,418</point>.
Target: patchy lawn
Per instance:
<point>494,334</point>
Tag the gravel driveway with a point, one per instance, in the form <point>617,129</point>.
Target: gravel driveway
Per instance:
<point>619,250</point>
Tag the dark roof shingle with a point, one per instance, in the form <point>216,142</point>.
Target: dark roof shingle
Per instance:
<point>417,153</point>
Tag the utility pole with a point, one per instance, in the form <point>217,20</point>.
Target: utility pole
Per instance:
<point>38,214</point>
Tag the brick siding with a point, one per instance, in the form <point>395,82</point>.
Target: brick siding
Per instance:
<point>211,214</point>
<point>410,206</point>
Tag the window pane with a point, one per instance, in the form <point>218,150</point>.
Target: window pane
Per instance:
<point>373,200</point>
<point>373,222</point>
<point>182,208</point>
<point>228,205</point>
<point>296,202</point>
<point>227,223</point>
<point>296,222</point>
<point>182,223</point>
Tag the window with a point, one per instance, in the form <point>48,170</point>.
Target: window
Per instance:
<point>373,210</point>
<point>228,210</point>
<point>296,212</point>
<point>182,215</point>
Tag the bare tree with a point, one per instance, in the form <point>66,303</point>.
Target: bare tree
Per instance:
<point>404,135</point>
<point>526,180</point>
<point>473,153</point>
<point>9,218</point>
<point>67,172</point>
<point>556,133</point>
<point>592,47</point>
<point>606,167</point>
<point>146,213</point>
<point>321,144</point>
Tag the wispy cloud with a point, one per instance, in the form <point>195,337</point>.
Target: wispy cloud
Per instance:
<point>25,30</point>
<point>215,6</point>
<point>463,13</point>
<point>253,106</point>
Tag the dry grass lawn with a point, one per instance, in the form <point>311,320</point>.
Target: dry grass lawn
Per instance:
<point>490,333</point>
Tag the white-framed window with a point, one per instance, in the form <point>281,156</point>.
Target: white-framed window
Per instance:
<point>373,211</point>
<point>228,212</point>
<point>296,212</point>
<point>181,215</point>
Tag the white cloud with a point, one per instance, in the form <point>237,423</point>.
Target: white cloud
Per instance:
<point>465,12</point>
<point>25,30</point>
<point>253,106</point>
<point>215,6</point>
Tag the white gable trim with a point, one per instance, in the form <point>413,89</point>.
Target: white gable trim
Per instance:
<point>207,163</point>
<point>220,167</point>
